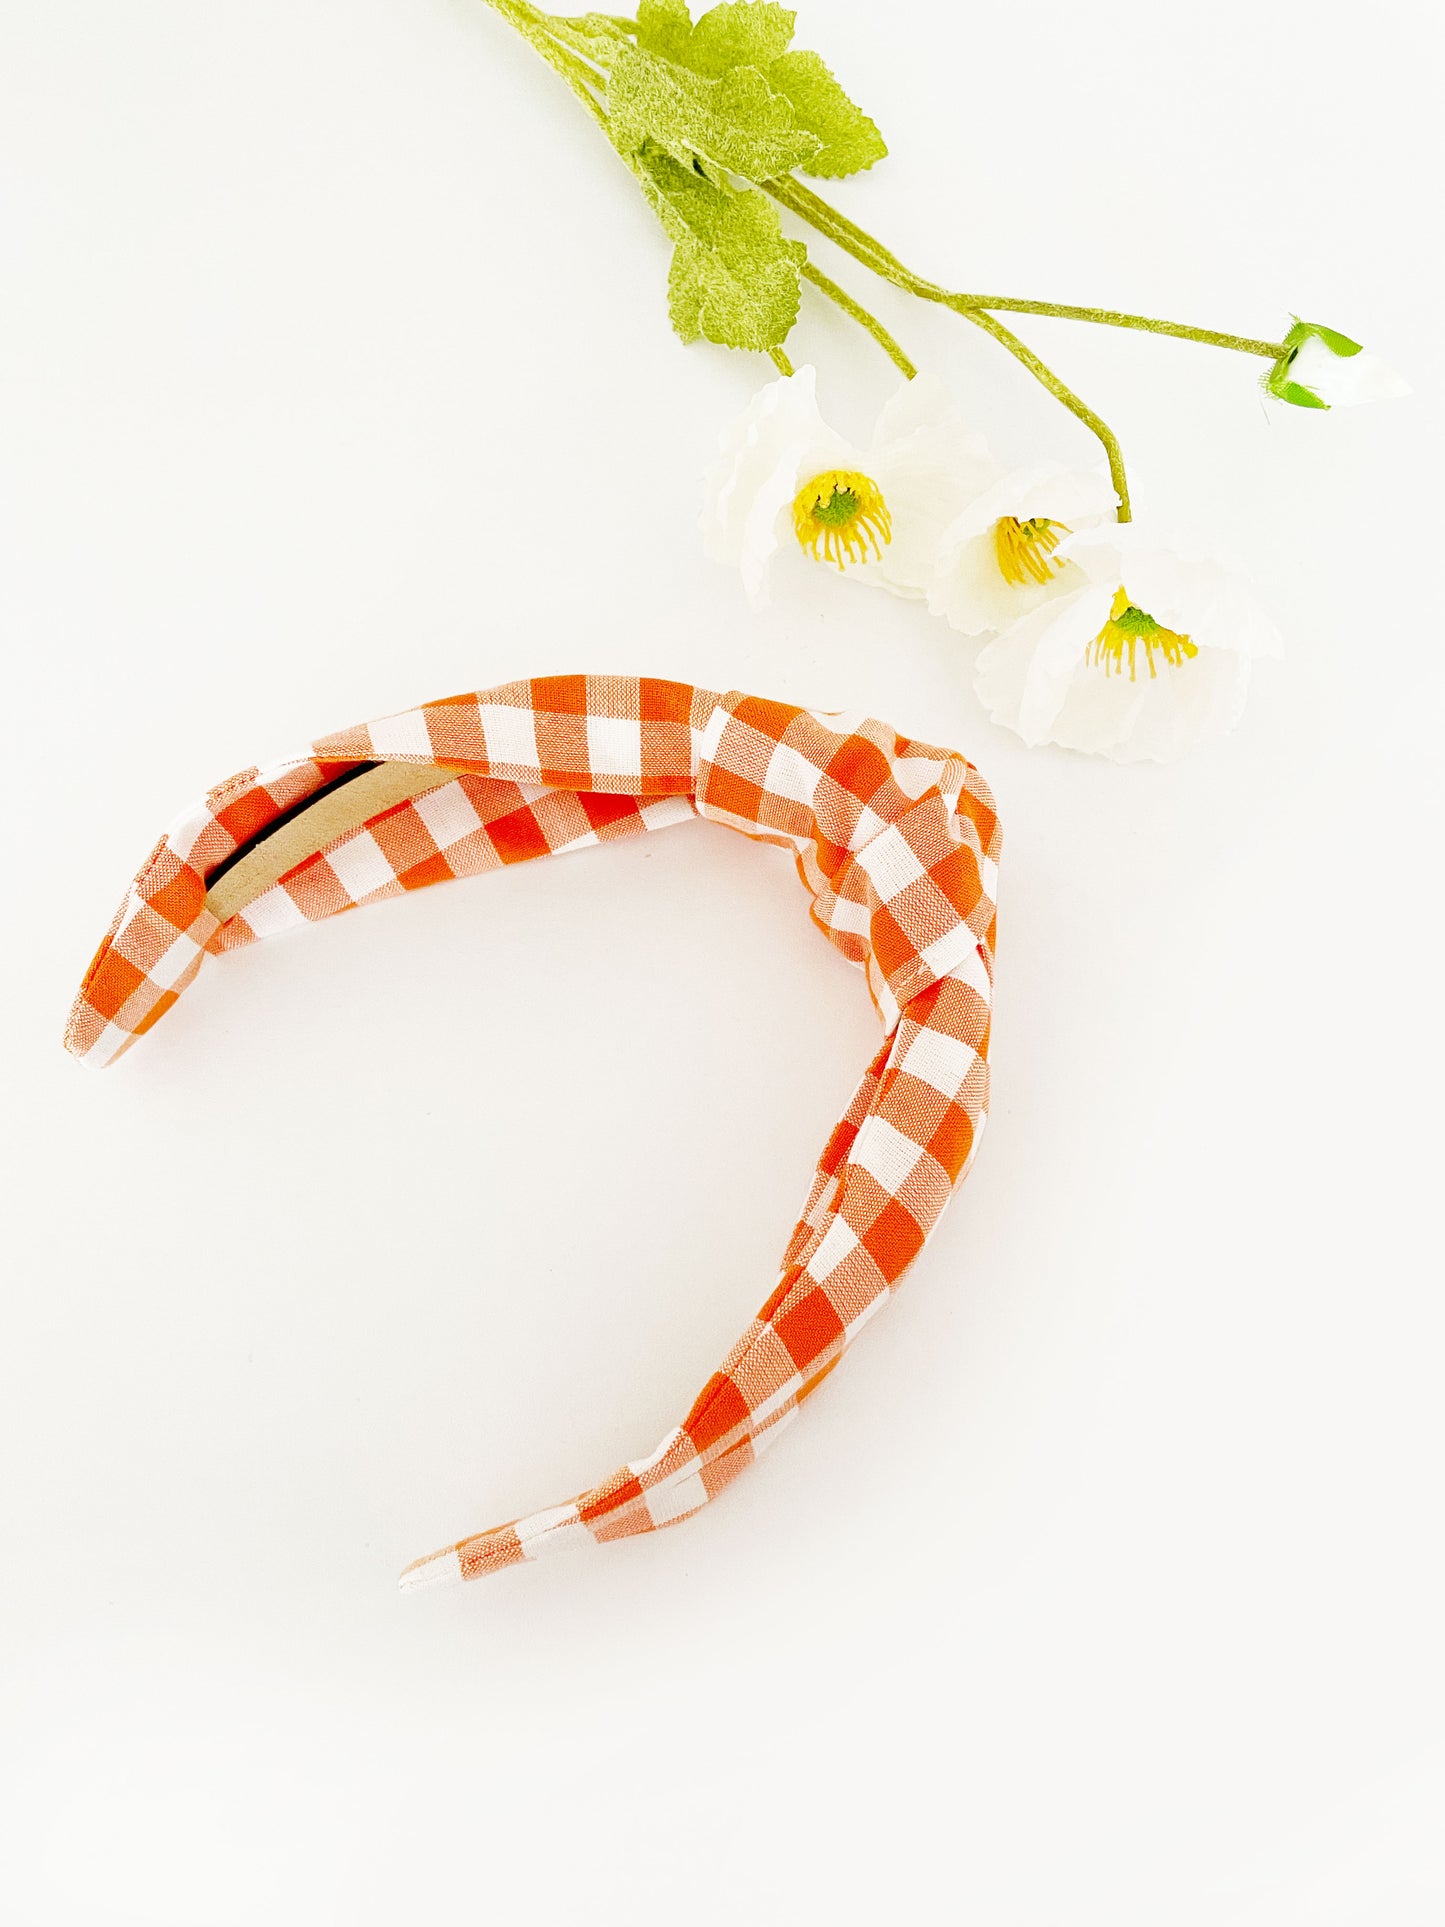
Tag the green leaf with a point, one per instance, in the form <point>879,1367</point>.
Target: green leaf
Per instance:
<point>737,124</point>
<point>596,35</point>
<point>664,27</point>
<point>740,33</point>
<point>1293,391</point>
<point>850,141</point>
<point>691,105</point>
<point>756,34</point>
<point>1337,343</point>
<point>734,277</point>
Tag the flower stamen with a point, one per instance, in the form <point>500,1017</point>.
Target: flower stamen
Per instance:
<point>840,515</point>
<point>1025,550</point>
<point>1130,630</point>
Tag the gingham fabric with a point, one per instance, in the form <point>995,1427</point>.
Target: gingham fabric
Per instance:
<point>897,844</point>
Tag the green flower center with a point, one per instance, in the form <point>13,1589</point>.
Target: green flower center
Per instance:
<point>839,509</point>
<point>841,517</point>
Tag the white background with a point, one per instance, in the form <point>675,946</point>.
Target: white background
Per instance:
<point>1104,1584</point>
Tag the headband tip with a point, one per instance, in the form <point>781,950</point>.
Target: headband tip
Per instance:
<point>437,1569</point>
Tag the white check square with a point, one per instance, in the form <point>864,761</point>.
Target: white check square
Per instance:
<point>791,775</point>
<point>614,746</point>
<point>174,962</point>
<point>886,1153</point>
<point>837,1243</point>
<point>676,1498</point>
<point>447,814</point>
<point>273,911</point>
<point>509,734</point>
<point>403,735</point>
<point>890,864</point>
<point>940,1061</point>
<point>360,865</point>
<point>552,1531</point>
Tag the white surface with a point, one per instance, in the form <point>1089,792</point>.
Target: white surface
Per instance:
<point>1104,1584</point>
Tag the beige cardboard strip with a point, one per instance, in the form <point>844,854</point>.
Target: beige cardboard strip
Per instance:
<point>330,817</point>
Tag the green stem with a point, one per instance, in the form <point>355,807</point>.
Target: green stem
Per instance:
<point>860,314</point>
<point>1074,403</point>
<point>574,70</point>
<point>842,232</point>
<point>780,361</point>
<point>813,208</point>
<point>1112,318</point>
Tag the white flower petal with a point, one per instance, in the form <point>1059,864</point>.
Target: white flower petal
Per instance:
<point>914,406</point>
<point>1076,497</point>
<point>917,508</point>
<point>1001,494</point>
<point>1168,713</point>
<point>1099,552</point>
<point>1344,381</point>
<point>1101,714</point>
<point>969,590</point>
<point>1024,676</point>
<point>1038,678</point>
<point>774,446</point>
<point>1185,590</point>
<point>920,427</point>
<point>927,463</point>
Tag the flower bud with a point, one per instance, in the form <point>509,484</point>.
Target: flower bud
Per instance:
<point>1321,368</point>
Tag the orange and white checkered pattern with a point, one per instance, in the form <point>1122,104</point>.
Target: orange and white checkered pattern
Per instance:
<point>897,843</point>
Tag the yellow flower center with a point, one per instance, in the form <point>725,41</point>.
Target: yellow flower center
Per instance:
<point>840,515</point>
<point>1131,630</point>
<point>1025,550</point>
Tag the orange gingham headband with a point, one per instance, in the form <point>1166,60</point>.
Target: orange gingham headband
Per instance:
<point>897,843</point>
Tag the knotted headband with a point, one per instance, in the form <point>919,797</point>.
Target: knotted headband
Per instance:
<point>897,843</point>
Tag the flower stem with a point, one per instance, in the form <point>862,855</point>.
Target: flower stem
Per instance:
<point>861,315</point>
<point>837,228</point>
<point>1112,318</point>
<point>815,210</point>
<point>571,66</point>
<point>780,361</point>
<point>1006,338</point>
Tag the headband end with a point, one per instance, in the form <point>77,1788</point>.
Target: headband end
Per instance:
<point>437,1569</point>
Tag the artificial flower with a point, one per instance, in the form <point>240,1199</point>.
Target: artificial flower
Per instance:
<point>784,478</point>
<point>1321,368</point>
<point>1151,653</point>
<point>1000,557</point>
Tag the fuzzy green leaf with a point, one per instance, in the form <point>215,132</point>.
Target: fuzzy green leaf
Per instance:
<point>664,27</point>
<point>740,33</point>
<point>850,141</point>
<point>595,35</point>
<point>1337,343</point>
<point>734,277</point>
<point>1292,391</point>
<point>737,124</point>
<point>756,34</point>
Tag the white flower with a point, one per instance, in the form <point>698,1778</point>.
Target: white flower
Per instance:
<point>1001,557</point>
<point>1321,368</point>
<point>1151,653</point>
<point>785,476</point>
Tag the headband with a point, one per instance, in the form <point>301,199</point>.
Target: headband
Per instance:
<point>896,842</point>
